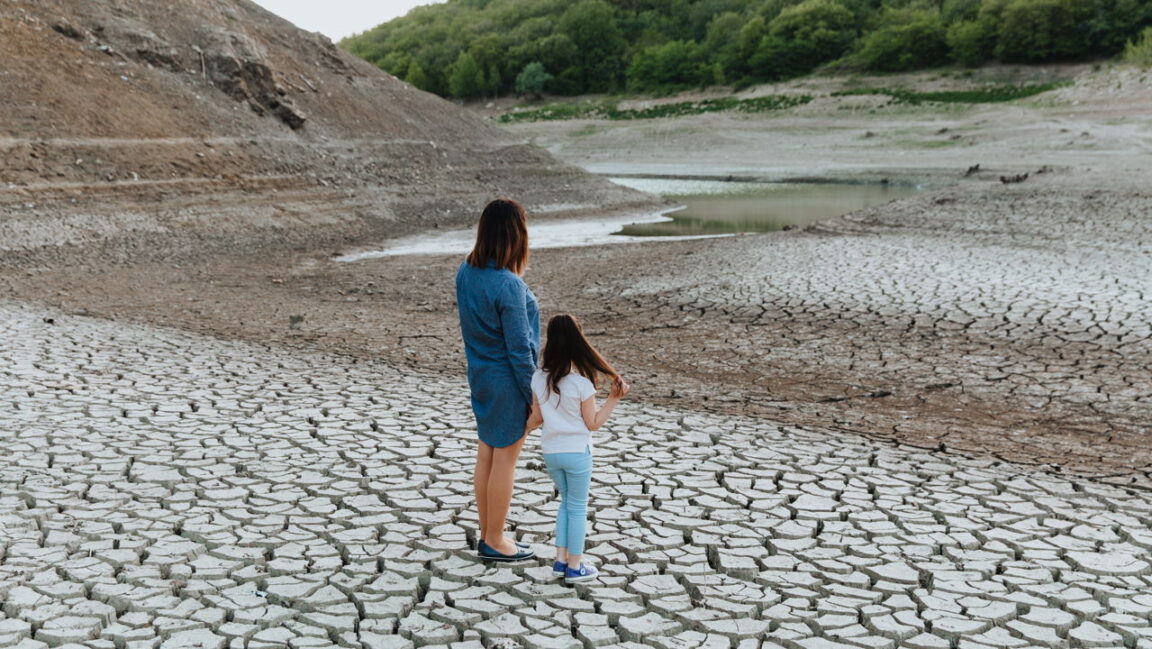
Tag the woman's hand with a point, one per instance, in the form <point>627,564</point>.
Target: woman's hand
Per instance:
<point>620,388</point>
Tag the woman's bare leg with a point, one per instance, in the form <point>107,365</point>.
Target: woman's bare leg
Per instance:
<point>499,496</point>
<point>480,483</point>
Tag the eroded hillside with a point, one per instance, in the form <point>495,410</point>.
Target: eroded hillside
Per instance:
<point>134,129</point>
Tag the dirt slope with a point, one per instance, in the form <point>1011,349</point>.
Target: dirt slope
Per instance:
<point>130,128</point>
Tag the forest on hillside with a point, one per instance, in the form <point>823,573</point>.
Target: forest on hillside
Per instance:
<point>477,48</point>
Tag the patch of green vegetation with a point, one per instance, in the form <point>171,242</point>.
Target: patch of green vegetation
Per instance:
<point>989,95</point>
<point>469,49</point>
<point>588,129</point>
<point>1139,50</point>
<point>612,111</point>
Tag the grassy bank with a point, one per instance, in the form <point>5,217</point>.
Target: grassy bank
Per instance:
<point>611,110</point>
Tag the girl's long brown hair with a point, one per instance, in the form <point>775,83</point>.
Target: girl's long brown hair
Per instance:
<point>501,236</point>
<point>568,349</point>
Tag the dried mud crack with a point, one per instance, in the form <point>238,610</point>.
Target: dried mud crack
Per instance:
<point>991,320</point>
<point>163,488</point>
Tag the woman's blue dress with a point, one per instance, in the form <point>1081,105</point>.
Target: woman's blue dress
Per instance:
<point>500,323</point>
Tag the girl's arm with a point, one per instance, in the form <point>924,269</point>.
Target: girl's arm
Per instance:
<point>594,418</point>
<point>534,416</point>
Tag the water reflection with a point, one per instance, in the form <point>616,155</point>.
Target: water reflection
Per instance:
<point>719,207</point>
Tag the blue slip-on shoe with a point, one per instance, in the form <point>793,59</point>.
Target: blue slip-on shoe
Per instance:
<point>486,553</point>
<point>559,568</point>
<point>519,544</point>
<point>584,573</point>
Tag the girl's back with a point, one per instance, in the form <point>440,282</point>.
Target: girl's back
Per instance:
<point>564,429</point>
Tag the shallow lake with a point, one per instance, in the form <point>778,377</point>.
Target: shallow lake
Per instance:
<point>723,207</point>
<point>712,208</point>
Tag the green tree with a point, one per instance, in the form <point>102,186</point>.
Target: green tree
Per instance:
<point>465,81</point>
<point>599,46</point>
<point>972,42</point>
<point>722,42</point>
<point>1114,23</point>
<point>416,76</point>
<point>769,9</point>
<point>672,66</point>
<point>953,11</point>
<point>493,81</point>
<point>1139,50</point>
<point>906,39</point>
<point>701,13</point>
<point>532,80</point>
<point>1043,30</point>
<point>590,45</point>
<point>748,41</point>
<point>801,37</point>
<point>826,26</point>
<point>488,50</point>
<point>558,52</point>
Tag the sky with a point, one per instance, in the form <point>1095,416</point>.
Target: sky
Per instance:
<point>339,18</point>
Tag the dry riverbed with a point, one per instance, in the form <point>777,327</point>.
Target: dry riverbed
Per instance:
<point>258,444</point>
<point>1004,321</point>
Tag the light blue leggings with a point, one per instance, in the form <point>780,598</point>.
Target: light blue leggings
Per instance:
<point>572,473</point>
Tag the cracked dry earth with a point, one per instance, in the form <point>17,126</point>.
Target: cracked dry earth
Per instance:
<point>161,488</point>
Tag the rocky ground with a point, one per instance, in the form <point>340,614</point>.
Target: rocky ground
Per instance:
<point>162,488</point>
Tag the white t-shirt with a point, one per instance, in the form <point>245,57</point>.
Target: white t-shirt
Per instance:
<point>564,430</point>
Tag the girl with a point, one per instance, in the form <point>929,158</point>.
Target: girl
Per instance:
<point>564,400</point>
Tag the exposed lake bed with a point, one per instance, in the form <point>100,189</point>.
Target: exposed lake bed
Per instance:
<point>975,316</point>
<point>236,410</point>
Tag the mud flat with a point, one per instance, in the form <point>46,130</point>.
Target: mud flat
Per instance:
<point>256,444</point>
<point>163,488</point>
<point>1000,320</point>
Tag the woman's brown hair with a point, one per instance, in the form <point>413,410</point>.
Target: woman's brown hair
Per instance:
<point>502,237</point>
<point>567,348</point>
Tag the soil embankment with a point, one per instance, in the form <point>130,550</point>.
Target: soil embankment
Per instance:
<point>135,131</point>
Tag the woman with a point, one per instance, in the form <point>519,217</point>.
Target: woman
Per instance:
<point>500,323</point>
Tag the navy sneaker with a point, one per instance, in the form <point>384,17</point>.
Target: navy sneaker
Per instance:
<point>584,573</point>
<point>559,568</point>
<point>486,553</point>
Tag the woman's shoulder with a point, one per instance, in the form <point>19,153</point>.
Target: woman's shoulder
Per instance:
<point>493,279</point>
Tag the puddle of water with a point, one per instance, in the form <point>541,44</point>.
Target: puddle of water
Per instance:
<point>541,234</point>
<point>719,207</point>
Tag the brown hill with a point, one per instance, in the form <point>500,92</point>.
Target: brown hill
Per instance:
<point>150,128</point>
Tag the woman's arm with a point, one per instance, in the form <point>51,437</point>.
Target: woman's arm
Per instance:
<point>518,343</point>
<point>594,418</point>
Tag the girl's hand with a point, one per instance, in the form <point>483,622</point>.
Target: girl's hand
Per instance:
<point>535,419</point>
<point>620,388</point>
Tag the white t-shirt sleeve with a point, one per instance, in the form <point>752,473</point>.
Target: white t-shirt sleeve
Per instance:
<point>584,388</point>
<point>539,383</point>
